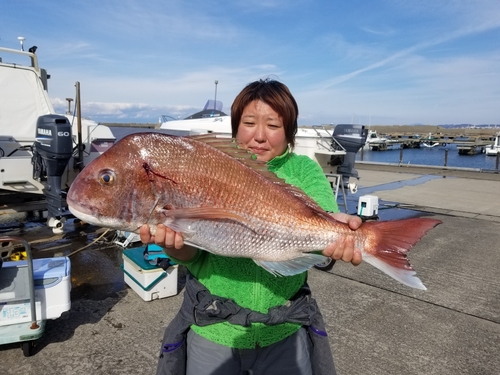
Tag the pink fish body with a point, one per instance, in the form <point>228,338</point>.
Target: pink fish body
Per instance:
<point>223,201</point>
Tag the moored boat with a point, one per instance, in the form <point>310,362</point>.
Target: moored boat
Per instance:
<point>429,141</point>
<point>25,110</point>
<point>494,149</point>
<point>376,142</point>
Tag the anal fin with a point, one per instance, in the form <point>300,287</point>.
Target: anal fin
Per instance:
<point>293,266</point>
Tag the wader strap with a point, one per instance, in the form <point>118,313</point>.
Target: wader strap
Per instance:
<point>202,308</point>
<point>209,309</point>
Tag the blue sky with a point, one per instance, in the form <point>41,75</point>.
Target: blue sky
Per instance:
<point>369,62</point>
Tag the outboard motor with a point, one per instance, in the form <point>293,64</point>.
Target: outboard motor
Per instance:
<point>352,138</point>
<point>52,151</point>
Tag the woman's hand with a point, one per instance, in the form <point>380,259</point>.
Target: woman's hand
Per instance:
<point>164,237</point>
<point>171,241</point>
<point>344,249</point>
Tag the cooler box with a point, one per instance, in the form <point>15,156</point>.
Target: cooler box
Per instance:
<point>148,280</point>
<point>52,279</point>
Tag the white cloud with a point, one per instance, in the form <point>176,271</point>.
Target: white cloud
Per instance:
<point>396,61</point>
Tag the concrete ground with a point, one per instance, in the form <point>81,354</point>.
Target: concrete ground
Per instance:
<point>376,325</point>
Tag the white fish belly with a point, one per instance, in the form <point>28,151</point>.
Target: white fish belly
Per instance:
<point>260,241</point>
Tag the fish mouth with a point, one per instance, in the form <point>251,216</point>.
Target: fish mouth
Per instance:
<point>85,214</point>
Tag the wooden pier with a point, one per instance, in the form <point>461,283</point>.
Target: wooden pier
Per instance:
<point>472,147</point>
<point>464,147</point>
<point>403,143</point>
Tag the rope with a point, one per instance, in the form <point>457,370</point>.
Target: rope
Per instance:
<point>90,244</point>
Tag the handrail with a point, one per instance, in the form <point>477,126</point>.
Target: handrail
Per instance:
<point>32,56</point>
<point>166,118</point>
<point>330,144</point>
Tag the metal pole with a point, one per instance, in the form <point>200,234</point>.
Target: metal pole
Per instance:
<point>445,157</point>
<point>79,124</point>
<point>215,100</point>
<point>69,100</point>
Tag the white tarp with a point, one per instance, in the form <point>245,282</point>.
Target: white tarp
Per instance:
<point>22,101</point>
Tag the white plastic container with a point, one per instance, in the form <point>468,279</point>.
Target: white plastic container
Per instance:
<point>148,281</point>
<point>368,206</point>
<point>52,278</point>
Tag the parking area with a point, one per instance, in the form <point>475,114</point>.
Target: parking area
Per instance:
<point>376,325</point>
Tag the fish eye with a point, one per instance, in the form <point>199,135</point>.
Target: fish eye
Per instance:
<point>107,177</point>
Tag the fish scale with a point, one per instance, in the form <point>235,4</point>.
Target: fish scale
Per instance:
<point>223,201</point>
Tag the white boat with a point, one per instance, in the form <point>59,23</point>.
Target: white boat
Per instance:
<point>317,142</point>
<point>429,141</point>
<point>376,142</point>
<point>494,149</point>
<point>429,144</point>
<point>373,137</point>
<point>23,100</point>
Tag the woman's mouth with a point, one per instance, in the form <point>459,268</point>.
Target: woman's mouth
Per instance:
<point>258,150</point>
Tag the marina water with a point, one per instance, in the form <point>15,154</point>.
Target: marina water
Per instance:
<point>434,156</point>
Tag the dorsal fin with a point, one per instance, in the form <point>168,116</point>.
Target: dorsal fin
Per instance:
<point>227,145</point>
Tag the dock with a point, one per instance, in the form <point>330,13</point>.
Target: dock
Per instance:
<point>471,146</point>
<point>389,143</point>
<point>376,326</point>
<point>469,140</point>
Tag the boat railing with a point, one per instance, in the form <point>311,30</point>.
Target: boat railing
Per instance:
<point>166,118</point>
<point>33,58</point>
<point>327,143</point>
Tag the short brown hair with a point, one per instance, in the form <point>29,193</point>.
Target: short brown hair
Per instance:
<point>277,96</point>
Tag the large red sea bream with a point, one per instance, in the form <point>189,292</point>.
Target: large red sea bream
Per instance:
<point>225,202</point>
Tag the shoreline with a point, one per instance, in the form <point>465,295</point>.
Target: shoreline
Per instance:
<point>472,173</point>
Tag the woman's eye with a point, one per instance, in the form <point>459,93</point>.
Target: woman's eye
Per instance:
<point>107,177</point>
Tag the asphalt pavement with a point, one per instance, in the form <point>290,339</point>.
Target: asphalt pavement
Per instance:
<point>376,325</point>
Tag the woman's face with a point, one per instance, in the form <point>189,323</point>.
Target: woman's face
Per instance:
<point>261,131</point>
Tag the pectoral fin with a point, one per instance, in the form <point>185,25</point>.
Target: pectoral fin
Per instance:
<point>181,220</point>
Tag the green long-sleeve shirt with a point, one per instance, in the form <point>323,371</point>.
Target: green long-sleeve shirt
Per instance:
<point>248,284</point>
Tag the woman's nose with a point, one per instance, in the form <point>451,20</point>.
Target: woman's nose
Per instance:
<point>260,133</point>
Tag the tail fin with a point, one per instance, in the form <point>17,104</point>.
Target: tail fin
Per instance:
<point>389,243</point>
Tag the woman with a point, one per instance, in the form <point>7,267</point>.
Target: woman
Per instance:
<point>264,121</point>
